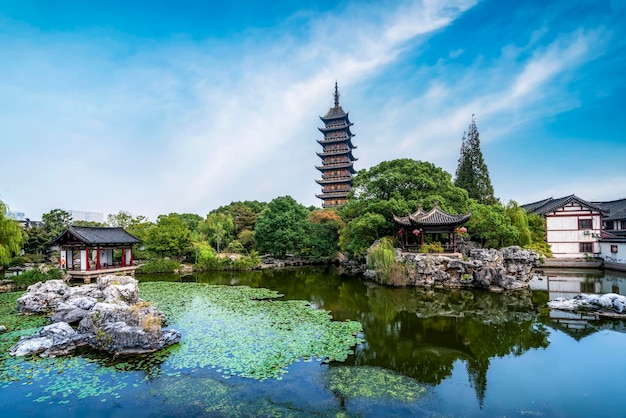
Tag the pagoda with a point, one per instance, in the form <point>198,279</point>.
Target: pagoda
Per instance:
<point>337,159</point>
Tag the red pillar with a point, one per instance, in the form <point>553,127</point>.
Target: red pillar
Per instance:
<point>87,258</point>
<point>123,256</point>
<point>98,258</point>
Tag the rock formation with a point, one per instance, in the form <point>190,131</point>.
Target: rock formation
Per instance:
<point>609,304</point>
<point>109,314</point>
<point>495,270</point>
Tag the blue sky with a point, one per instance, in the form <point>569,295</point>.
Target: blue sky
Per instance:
<point>158,107</point>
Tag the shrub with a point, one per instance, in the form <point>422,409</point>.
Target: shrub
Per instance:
<point>433,247</point>
<point>40,274</point>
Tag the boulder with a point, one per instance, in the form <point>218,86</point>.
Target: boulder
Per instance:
<point>51,341</point>
<point>109,313</point>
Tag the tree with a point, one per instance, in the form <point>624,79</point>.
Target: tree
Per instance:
<point>472,173</point>
<point>394,187</point>
<point>11,237</point>
<point>219,229</point>
<point>56,221</point>
<point>322,239</point>
<point>170,237</point>
<point>122,219</point>
<point>282,227</point>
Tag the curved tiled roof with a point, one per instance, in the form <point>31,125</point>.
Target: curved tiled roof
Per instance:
<point>616,209</point>
<point>91,235</point>
<point>548,205</point>
<point>435,216</point>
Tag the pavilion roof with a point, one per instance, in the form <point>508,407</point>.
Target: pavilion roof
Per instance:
<point>435,217</point>
<point>91,235</point>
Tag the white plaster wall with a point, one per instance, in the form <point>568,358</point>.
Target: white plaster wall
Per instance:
<point>618,257</point>
<point>127,256</point>
<point>83,260</point>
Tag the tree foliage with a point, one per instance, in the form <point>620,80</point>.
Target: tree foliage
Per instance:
<point>11,237</point>
<point>282,227</point>
<point>170,237</point>
<point>394,187</point>
<point>472,173</point>
<point>56,221</point>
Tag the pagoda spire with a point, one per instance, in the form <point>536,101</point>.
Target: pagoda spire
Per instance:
<point>336,94</point>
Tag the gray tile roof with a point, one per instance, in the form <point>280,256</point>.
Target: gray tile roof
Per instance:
<point>91,235</point>
<point>616,209</point>
<point>434,217</point>
<point>548,205</point>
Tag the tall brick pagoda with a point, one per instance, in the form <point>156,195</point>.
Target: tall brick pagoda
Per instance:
<point>337,159</point>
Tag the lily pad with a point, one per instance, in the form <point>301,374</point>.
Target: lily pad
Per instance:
<point>246,332</point>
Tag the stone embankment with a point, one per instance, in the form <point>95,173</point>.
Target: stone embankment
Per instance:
<point>495,270</point>
<point>109,316</point>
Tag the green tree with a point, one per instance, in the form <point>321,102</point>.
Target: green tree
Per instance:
<point>122,219</point>
<point>322,239</point>
<point>170,237</point>
<point>11,237</point>
<point>472,173</point>
<point>37,241</point>
<point>492,227</point>
<point>394,187</point>
<point>56,221</point>
<point>282,228</point>
<point>219,229</point>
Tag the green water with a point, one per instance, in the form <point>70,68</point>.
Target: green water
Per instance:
<point>422,352</point>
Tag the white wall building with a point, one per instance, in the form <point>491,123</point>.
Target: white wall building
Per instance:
<point>573,225</point>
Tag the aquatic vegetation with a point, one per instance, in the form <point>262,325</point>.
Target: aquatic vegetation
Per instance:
<point>246,332</point>
<point>372,383</point>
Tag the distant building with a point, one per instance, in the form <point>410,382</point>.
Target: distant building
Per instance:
<point>337,159</point>
<point>17,216</point>
<point>573,225</point>
<point>80,215</point>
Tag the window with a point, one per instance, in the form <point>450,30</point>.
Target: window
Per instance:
<point>586,247</point>
<point>613,248</point>
<point>587,287</point>
<point>623,224</point>
<point>585,224</point>
<point>608,225</point>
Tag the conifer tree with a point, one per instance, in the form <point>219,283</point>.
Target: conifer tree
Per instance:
<point>472,173</point>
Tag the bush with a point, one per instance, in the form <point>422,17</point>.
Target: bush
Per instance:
<point>40,274</point>
<point>159,266</point>
<point>542,248</point>
<point>433,247</point>
<point>226,263</point>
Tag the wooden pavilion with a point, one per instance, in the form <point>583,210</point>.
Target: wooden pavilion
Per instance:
<point>86,252</point>
<point>411,229</point>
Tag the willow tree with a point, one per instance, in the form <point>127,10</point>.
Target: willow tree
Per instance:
<point>11,237</point>
<point>472,173</point>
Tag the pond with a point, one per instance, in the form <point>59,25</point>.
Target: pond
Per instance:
<point>421,352</point>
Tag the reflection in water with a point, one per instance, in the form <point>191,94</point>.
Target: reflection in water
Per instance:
<point>570,283</point>
<point>416,332</point>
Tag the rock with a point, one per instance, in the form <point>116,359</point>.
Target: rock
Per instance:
<point>51,341</point>
<point>609,302</point>
<point>490,269</point>
<point>7,286</point>
<point>3,329</point>
<point>109,313</point>
<point>42,297</point>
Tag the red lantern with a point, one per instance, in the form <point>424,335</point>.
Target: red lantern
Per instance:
<point>461,230</point>
<point>416,232</point>
<point>400,232</point>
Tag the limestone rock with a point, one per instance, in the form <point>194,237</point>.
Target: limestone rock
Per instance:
<point>109,313</point>
<point>51,341</point>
